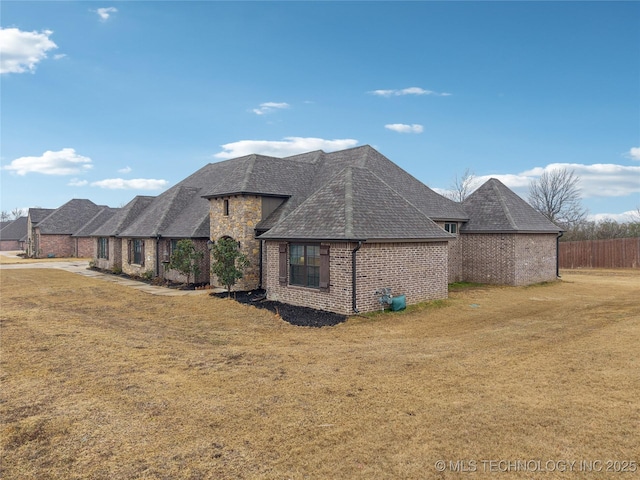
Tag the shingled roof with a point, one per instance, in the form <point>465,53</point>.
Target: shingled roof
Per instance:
<point>183,210</point>
<point>70,217</point>
<point>495,208</point>
<point>39,214</point>
<point>124,217</point>
<point>97,221</point>
<point>356,204</point>
<point>14,230</point>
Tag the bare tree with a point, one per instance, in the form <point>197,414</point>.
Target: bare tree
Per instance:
<point>4,216</point>
<point>462,186</point>
<point>556,194</point>
<point>18,212</point>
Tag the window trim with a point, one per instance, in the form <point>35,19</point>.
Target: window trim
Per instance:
<point>284,267</point>
<point>448,225</point>
<point>305,266</point>
<point>103,248</point>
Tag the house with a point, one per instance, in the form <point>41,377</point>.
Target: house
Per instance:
<point>34,217</point>
<point>333,230</point>
<point>50,232</point>
<point>13,234</point>
<point>149,238</point>
<point>108,244</point>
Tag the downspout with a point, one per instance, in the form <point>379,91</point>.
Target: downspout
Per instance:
<point>157,255</point>
<point>560,234</point>
<point>353,277</point>
<point>260,264</point>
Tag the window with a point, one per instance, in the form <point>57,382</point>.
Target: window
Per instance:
<point>451,227</point>
<point>225,208</point>
<point>103,247</point>
<point>304,264</point>
<point>137,253</point>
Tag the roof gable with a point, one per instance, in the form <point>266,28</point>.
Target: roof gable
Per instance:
<point>14,230</point>
<point>36,215</point>
<point>495,208</point>
<point>70,217</point>
<point>123,217</point>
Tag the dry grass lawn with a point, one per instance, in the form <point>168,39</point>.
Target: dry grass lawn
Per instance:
<point>103,382</point>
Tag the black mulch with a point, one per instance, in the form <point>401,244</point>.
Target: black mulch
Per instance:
<point>300,316</point>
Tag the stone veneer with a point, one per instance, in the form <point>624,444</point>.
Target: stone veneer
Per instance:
<point>417,270</point>
<point>508,258</point>
<point>245,211</point>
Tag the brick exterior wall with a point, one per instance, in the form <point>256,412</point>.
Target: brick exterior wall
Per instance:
<point>417,270</point>
<point>84,247</point>
<point>455,260</point>
<point>149,258</point>
<point>508,259</point>
<point>245,211</point>
<point>6,245</point>
<point>175,276</point>
<point>535,258</point>
<point>56,245</point>
<point>114,262</point>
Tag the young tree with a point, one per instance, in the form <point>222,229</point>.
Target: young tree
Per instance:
<point>556,194</point>
<point>185,259</point>
<point>462,186</point>
<point>228,262</point>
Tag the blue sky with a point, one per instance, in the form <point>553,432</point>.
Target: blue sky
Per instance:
<point>108,100</point>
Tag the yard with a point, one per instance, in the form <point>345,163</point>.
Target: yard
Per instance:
<point>100,381</point>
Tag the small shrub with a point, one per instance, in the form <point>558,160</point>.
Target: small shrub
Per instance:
<point>148,275</point>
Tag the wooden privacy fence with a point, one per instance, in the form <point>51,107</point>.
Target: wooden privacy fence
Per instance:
<point>612,253</point>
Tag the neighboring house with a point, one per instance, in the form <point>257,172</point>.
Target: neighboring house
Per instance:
<point>108,244</point>
<point>332,230</point>
<point>52,236</point>
<point>34,217</point>
<point>13,234</point>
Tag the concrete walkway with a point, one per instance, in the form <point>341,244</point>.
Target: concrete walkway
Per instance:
<point>81,267</point>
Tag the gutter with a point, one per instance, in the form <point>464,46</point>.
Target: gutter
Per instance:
<point>353,277</point>
<point>560,234</point>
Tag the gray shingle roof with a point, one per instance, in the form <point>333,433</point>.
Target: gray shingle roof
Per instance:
<point>356,204</point>
<point>124,217</point>
<point>39,214</point>
<point>495,208</point>
<point>70,217</point>
<point>14,230</point>
<point>97,221</point>
<point>181,211</point>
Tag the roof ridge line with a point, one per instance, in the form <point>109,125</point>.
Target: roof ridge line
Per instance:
<point>348,202</point>
<point>505,209</point>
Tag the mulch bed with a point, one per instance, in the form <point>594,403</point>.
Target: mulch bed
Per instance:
<point>300,316</point>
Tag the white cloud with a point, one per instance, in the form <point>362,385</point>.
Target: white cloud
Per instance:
<point>133,184</point>
<point>634,153</point>
<point>76,182</point>
<point>596,180</point>
<point>407,91</point>
<point>269,107</point>
<point>287,147</point>
<point>63,162</point>
<point>105,13</point>
<point>21,51</point>
<point>629,216</point>
<point>126,169</point>
<point>403,128</point>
